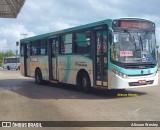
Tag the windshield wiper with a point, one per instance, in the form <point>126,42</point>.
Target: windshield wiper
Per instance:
<point>126,31</point>
<point>132,39</point>
<point>141,42</point>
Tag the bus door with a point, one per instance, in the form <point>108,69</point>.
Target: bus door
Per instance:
<point>53,51</point>
<point>101,64</point>
<point>27,59</point>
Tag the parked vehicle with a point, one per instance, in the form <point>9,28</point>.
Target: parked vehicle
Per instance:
<point>11,63</point>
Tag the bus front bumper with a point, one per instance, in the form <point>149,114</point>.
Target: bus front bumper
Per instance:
<point>117,82</point>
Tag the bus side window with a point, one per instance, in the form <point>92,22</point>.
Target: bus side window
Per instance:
<point>62,48</point>
<point>52,42</point>
<point>5,61</point>
<point>82,41</point>
<point>43,47</point>
<point>35,48</point>
<point>66,44</point>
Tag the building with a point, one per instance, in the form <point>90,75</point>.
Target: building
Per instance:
<point>10,8</point>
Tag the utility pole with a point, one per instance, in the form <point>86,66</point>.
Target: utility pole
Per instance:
<point>24,34</point>
<point>17,44</point>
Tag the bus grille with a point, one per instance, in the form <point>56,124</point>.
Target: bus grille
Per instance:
<point>145,66</point>
<point>137,84</point>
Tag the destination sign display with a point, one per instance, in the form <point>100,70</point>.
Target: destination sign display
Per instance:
<point>130,24</point>
<point>134,24</point>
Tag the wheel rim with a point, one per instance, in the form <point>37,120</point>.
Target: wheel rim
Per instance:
<point>37,77</point>
<point>84,82</point>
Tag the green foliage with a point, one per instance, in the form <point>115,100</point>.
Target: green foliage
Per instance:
<point>5,54</point>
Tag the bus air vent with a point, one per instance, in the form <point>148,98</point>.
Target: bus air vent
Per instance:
<point>144,66</point>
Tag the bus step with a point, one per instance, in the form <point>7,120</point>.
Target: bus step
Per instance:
<point>54,81</point>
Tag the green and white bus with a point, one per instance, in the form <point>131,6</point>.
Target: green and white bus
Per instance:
<point>113,53</point>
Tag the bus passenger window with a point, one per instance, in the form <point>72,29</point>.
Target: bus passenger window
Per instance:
<point>34,51</point>
<point>34,48</point>
<point>43,47</point>
<point>66,46</point>
<point>82,40</point>
<point>62,48</point>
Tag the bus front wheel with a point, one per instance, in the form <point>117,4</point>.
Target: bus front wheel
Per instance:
<point>38,76</point>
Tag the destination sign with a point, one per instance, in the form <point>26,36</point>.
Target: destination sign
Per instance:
<point>140,24</point>
<point>130,24</point>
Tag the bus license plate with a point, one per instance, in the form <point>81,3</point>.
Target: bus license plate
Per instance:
<point>142,82</point>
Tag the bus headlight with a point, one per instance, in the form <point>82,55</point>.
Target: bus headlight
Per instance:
<point>124,76</point>
<point>154,73</point>
<point>119,73</point>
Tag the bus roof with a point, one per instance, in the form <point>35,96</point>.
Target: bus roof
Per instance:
<point>107,21</point>
<point>68,30</point>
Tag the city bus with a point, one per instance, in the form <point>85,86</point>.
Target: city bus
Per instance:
<point>113,54</point>
<point>11,63</point>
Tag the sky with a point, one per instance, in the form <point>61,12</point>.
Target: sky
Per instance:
<point>43,16</point>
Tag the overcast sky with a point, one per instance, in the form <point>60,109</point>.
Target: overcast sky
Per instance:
<point>43,16</point>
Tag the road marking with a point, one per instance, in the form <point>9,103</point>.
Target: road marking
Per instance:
<point>10,88</point>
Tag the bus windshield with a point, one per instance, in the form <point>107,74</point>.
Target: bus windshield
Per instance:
<point>11,60</point>
<point>132,47</point>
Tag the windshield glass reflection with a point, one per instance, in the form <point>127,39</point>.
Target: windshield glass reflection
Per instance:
<point>134,47</point>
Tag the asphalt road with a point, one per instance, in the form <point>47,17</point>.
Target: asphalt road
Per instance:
<point>23,100</point>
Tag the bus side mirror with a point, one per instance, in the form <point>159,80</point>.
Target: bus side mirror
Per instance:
<point>110,37</point>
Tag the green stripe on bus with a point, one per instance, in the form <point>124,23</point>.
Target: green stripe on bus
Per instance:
<point>67,71</point>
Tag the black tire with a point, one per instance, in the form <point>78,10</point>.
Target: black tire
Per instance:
<point>38,77</point>
<point>84,82</point>
<point>8,67</point>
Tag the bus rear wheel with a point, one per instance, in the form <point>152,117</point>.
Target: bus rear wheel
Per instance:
<point>38,77</point>
<point>84,83</point>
